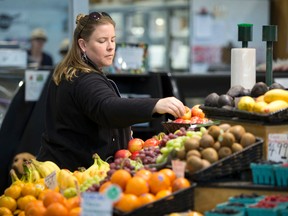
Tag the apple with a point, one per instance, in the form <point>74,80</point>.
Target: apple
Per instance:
<point>188,113</point>
<point>122,153</point>
<point>196,111</point>
<point>135,144</point>
<point>134,155</point>
<point>151,142</point>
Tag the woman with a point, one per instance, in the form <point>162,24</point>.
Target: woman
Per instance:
<point>85,113</point>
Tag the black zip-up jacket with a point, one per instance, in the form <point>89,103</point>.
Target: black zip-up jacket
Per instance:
<point>87,116</point>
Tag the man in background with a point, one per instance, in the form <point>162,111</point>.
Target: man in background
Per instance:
<point>37,57</point>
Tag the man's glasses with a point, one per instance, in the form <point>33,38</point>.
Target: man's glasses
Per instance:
<point>94,16</point>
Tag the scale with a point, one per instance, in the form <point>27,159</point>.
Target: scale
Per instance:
<point>278,147</point>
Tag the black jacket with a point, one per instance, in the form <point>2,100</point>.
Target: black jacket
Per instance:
<point>86,116</point>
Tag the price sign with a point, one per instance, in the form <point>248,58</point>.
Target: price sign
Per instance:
<point>278,147</point>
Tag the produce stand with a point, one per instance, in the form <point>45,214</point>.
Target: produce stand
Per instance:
<point>208,195</point>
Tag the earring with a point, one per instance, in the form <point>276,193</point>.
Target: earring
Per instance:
<point>84,57</point>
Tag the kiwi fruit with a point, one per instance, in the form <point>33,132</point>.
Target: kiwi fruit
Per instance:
<point>226,139</point>
<point>217,145</point>
<point>191,143</point>
<point>224,152</point>
<point>206,141</point>
<point>224,126</point>
<point>236,91</point>
<point>236,147</point>
<point>193,152</point>
<point>210,154</point>
<point>214,131</point>
<point>193,164</point>
<point>181,154</point>
<point>247,139</point>
<point>205,163</point>
<point>237,131</point>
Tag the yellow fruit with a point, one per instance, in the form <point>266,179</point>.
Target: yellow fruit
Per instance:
<point>5,211</point>
<point>259,107</point>
<point>8,202</point>
<point>259,98</point>
<point>276,94</point>
<point>275,106</point>
<point>13,191</point>
<point>246,103</point>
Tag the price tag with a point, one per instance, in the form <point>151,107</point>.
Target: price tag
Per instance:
<point>35,81</point>
<point>94,204</point>
<point>51,180</point>
<point>278,147</point>
<point>179,167</point>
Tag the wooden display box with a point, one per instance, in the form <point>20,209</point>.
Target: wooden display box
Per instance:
<point>262,130</point>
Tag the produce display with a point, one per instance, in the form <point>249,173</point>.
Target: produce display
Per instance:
<point>260,100</point>
<point>252,205</point>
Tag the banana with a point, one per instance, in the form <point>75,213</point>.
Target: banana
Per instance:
<point>32,174</point>
<point>276,94</point>
<point>43,169</point>
<point>99,167</point>
<point>52,165</point>
<point>275,106</point>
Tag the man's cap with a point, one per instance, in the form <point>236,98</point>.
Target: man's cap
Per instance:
<point>38,33</point>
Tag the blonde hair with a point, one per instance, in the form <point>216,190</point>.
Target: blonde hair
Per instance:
<point>73,62</point>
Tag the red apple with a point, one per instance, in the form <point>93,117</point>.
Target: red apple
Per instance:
<point>135,144</point>
<point>151,142</point>
<point>187,114</point>
<point>134,155</point>
<point>122,153</point>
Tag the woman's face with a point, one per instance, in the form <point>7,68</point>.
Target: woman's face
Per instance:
<point>100,48</point>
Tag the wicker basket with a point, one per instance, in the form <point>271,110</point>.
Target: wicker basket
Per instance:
<point>171,127</point>
<point>182,200</point>
<point>236,162</point>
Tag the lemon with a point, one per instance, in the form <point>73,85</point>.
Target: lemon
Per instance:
<point>246,103</point>
<point>259,107</point>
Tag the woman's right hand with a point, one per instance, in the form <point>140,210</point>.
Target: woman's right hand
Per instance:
<point>170,105</point>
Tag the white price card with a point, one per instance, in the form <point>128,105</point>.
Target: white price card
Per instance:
<point>179,168</point>
<point>278,147</point>
<point>34,83</point>
<point>95,204</point>
<point>51,180</point>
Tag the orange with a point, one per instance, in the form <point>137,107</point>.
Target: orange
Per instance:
<point>5,211</point>
<point>75,211</point>
<point>30,189</point>
<point>8,202</point>
<point>103,186</point>
<point>73,202</point>
<point>170,173</point>
<point>127,202</point>
<point>13,191</point>
<point>35,208</point>
<point>56,209</point>
<point>137,186</point>
<point>146,198</point>
<point>53,197</point>
<point>33,204</point>
<point>23,201</point>
<point>180,183</point>
<point>158,181</point>
<point>143,173</point>
<point>120,177</point>
<point>163,193</point>
<point>42,193</point>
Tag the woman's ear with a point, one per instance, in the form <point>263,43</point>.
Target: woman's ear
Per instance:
<point>82,44</point>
